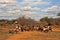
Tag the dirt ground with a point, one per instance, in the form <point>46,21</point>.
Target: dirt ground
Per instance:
<point>34,35</point>
<point>31,35</point>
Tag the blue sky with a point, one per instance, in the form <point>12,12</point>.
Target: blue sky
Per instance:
<point>36,9</point>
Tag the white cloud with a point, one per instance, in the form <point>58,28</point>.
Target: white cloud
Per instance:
<point>41,2</point>
<point>3,5</point>
<point>35,8</point>
<point>51,9</point>
<point>27,8</point>
<point>6,9</point>
<point>14,11</point>
<point>34,2</point>
<point>29,13</point>
<point>7,1</point>
<point>11,8</point>
<point>31,0</point>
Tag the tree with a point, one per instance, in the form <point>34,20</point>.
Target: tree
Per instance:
<point>46,20</point>
<point>58,14</point>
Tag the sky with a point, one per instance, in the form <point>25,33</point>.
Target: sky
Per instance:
<point>36,9</point>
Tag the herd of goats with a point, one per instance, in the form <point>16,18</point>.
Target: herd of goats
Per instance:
<point>21,28</point>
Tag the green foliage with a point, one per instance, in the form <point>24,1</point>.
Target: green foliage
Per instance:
<point>45,19</point>
<point>52,21</point>
<point>58,14</point>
